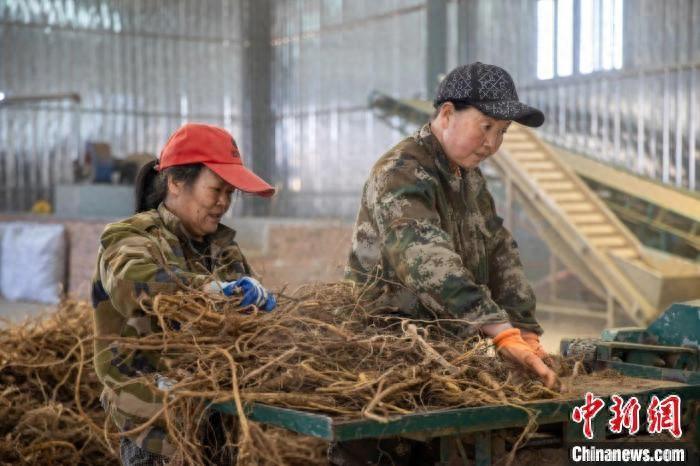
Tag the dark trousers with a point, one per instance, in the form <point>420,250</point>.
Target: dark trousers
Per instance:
<point>131,454</point>
<point>216,449</point>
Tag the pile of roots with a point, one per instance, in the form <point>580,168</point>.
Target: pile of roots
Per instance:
<point>49,395</point>
<point>326,348</point>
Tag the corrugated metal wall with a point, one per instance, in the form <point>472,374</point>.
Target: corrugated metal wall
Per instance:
<point>328,56</point>
<point>141,68</point>
<point>659,33</point>
<point>644,118</point>
<point>502,32</point>
<point>656,33</point>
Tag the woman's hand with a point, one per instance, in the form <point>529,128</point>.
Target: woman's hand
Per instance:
<point>164,383</point>
<point>511,345</point>
<point>253,293</point>
<point>532,339</point>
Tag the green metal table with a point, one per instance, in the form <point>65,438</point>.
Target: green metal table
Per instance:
<point>480,424</point>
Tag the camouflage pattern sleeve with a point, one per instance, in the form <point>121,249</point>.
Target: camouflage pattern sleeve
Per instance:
<point>132,263</point>
<point>131,266</point>
<point>402,194</point>
<point>509,287</point>
<point>140,257</point>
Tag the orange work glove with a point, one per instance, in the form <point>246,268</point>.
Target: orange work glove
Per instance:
<point>532,339</point>
<point>511,345</point>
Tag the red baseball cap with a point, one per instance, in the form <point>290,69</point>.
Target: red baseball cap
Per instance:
<point>216,149</point>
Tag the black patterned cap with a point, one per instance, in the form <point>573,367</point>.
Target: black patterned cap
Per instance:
<point>490,89</point>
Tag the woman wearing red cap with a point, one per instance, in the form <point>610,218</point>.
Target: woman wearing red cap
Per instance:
<point>174,238</point>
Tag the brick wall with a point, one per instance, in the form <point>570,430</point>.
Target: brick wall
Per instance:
<point>302,253</point>
<point>294,252</point>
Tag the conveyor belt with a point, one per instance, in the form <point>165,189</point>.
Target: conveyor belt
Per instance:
<point>646,205</point>
<point>544,173</point>
<point>583,232</point>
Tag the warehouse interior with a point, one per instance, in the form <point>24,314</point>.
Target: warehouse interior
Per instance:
<point>316,91</point>
<point>603,199</point>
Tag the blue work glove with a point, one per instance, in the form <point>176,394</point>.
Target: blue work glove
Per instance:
<point>253,293</point>
<point>164,383</point>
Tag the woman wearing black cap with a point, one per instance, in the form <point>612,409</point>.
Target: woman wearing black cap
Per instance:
<point>174,238</point>
<point>427,227</point>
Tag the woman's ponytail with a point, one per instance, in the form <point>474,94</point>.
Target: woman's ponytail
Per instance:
<point>150,188</point>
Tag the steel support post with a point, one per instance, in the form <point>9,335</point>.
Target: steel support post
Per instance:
<point>436,46</point>
<point>258,138</point>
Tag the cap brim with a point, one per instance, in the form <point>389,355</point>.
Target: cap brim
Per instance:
<point>512,110</point>
<point>241,178</point>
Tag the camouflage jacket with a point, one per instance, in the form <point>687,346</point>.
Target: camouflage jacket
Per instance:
<point>431,238</point>
<point>139,257</point>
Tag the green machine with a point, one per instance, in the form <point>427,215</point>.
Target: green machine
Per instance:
<point>668,349</point>
<point>665,351</point>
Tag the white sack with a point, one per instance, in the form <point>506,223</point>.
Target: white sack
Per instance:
<point>32,262</point>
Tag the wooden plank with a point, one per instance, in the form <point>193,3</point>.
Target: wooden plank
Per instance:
<point>520,145</point>
<point>624,253</point>
<point>526,154</point>
<point>513,137</point>
<point>586,219</point>
<point>520,153</point>
<point>537,166</point>
<point>608,241</point>
<point>556,186</point>
<point>578,207</point>
<point>682,203</point>
<point>549,176</point>
<point>594,230</point>
<point>568,196</point>
<point>522,157</point>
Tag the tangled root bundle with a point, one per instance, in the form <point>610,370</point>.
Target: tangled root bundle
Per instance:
<point>326,348</point>
<point>49,394</point>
